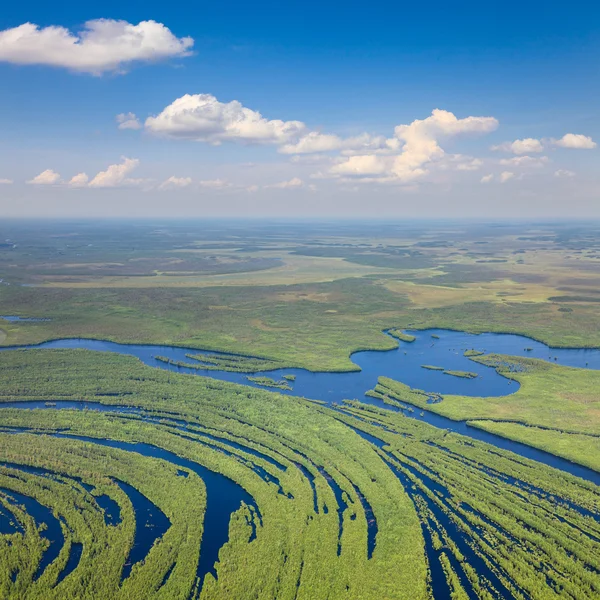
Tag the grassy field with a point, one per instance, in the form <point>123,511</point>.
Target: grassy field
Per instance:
<point>255,289</point>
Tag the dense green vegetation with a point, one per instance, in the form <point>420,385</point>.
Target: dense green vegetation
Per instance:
<point>270,382</point>
<point>352,501</point>
<point>224,362</point>
<point>433,495</point>
<point>401,335</point>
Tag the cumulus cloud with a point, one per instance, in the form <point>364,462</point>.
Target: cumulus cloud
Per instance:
<point>5,181</point>
<point>487,178</point>
<point>116,175</point>
<point>576,141</point>
<point>469,165</point>
<point>564,173</point>
<point>79,180</point>
<point>322,142</point>
<point>525,161</point>
<point>201,117</point>
<point>506,176</point>
<point>103,45</point>
<point>532,145</point>
<point>524,146</point>
<point>293,183</point>
<point>314,142</point>
<point>368,164</point>
<point>421,140</point>
<point>408,155</point>
<point>47,177</point>
<point>128,121</point>
<point>175,182</point>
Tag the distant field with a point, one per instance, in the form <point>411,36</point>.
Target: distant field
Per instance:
<point>308,295</point>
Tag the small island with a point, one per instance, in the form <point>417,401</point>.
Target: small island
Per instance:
<point>463,374</point>
<point>472,352</point>
<point>271,383</point>
<point>401,335</point>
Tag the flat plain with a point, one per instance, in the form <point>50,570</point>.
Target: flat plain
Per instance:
<point>347,500</point>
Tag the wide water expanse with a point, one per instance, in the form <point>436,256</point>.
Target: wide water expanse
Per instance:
<point>433,347</point>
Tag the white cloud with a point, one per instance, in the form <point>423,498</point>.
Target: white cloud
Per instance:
<point>201,117</point>
<point>175,182</point>
<point>322,142</point>
<point>525,161</point>
<point>251,189</point>
<point>470,165</point>
<point>313,142</point>
<point>284,185</point>
<point>103,45</point>
<point>47,177</point>
<point>532,145</point>
<point>128,121</point>
<point>421,140</point>
<point>215,184</point>
<point>564,173</point>
<point>487,178</point>
<point>577,141</point>
<point>524,146</point>
<point>116,175</point>
<point>368,164</point>
<point>79,180</point>
<point>506,176</point>
<point>5,181</point>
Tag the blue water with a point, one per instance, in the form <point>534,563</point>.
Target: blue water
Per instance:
<point>223,497</point>
<point>404,364</point>
<point>15,319</point>
<point>150,525</point>
<point>44,520</point>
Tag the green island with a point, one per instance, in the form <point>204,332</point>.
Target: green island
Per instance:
<point>463,374</point>
<point>473,352</point>
<point>270,382</point>
<point>454,373</point>
<point>401,335</point>
<point>229,362</point>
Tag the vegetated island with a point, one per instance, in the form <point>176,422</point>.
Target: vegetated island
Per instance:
<point>472,352</point>
<point>225,362</point>
<point>271,383</point>
<point>463,374</point>
<point>401,335</point>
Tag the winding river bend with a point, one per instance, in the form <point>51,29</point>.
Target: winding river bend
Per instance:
<point>443,349</point>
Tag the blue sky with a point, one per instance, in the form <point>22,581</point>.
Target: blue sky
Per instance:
<point>348,73</point>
